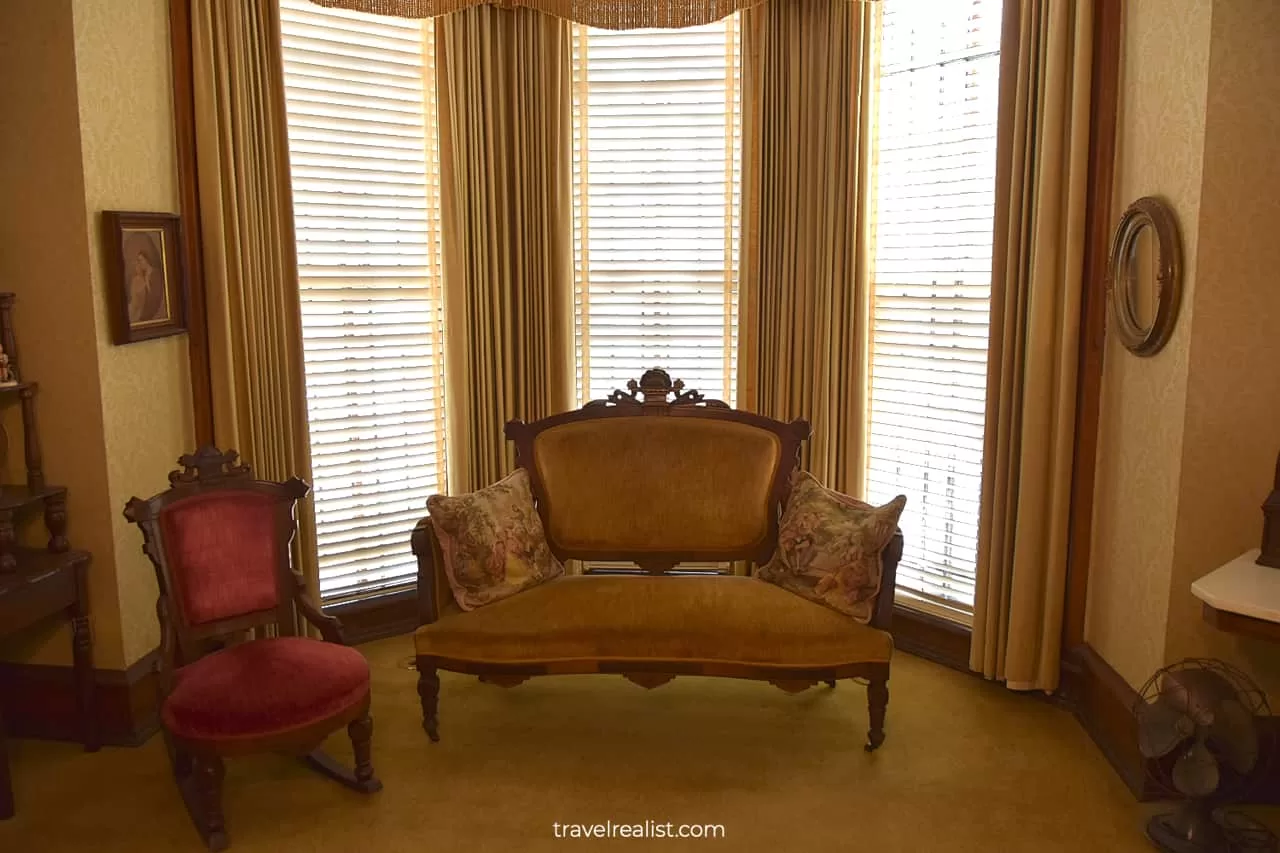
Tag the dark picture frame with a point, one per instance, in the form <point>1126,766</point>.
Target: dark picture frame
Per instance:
<point>146,275</point>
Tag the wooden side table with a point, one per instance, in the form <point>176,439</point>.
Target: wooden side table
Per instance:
<point>44,584</point>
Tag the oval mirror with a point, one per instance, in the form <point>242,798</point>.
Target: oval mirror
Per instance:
<point>1144,276</point>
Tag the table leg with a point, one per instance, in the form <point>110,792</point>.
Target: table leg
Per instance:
<point>82,656</point>
<point>6,781</point>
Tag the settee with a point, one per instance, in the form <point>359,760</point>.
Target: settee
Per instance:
<point>655,478</point>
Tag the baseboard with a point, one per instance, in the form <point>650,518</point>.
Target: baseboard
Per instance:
<point>40,702</point>
<point>931,637</point>
<point>1103,702</point>
<point>384,616</point>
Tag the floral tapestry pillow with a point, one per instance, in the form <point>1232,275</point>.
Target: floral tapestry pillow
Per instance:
<point>493,542</point>
<point>829,547</point>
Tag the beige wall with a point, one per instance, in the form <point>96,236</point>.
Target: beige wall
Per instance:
<point>127,131</point>
<point>1159,142</point>
<point>1189,438</point>
<point>1232,427</point>
<point>90,79</point>
<point>44,259</point>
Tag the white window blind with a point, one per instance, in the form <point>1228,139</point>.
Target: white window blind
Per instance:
<point>934,187</point>
<point>361,112</point>
<point>657,188</point>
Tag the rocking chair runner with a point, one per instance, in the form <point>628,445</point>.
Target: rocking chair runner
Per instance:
<point>221,543</point>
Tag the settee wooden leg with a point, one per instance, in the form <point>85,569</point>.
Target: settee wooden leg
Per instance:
<point>831,682</point>
<point>877,702</point>
<point>429,693</point>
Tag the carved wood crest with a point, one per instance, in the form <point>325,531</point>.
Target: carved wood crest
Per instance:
<point>652,391</point>
<point>207,465</point>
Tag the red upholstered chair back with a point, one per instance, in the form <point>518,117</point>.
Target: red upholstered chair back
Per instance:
<point>221,545</point>
<point>222,550</point>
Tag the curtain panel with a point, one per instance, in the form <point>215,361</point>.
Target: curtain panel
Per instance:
<point>502,79</point>
<point>607,14</point>
<point>805,294</point>
<point>249,254</point>
<point>1041,185</point>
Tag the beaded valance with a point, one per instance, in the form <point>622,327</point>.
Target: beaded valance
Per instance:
<point>608,14</point>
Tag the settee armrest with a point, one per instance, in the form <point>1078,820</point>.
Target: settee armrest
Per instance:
<point>882,617</point>
<point>434,595</point>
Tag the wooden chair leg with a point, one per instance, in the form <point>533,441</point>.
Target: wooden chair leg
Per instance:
<point>429,694</point>
<point>361,733</point>
<point>362,779</point>
<point>202,793</point>
<point>877,702</point>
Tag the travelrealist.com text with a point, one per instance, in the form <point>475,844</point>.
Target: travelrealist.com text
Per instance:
<point>646,829</point>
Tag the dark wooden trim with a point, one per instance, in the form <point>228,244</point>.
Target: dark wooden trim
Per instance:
<point>1238,623</point>
<point>931,637</point>
<point>40,702</point>
<point>377,618</point>
<point>1103,702</point>
<point>1102,154</point>
<point>184,116</point>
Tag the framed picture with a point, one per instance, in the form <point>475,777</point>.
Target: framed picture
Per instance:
<point>146,275</point>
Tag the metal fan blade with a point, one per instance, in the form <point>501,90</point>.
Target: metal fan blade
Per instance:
<point>1161,727</point>
<point>1196,692</point>
<point>1234,736</point>
<point>1195,773</point>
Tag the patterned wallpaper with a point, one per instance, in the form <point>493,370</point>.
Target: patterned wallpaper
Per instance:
<point>1160,141</point>
<point>1189,438</point>
<point>1232,431</point>
<point>97,134</point>
<point>127,130</point>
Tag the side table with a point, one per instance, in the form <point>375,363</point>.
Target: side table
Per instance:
<point>44,584</point>
<point>1242,597</point>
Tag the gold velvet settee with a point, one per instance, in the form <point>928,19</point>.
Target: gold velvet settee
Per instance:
<point>657,477</point>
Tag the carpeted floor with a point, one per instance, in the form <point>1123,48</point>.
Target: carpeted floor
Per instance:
<point>966,767</point>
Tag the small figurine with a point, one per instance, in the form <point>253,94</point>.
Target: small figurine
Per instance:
<point>7,378</point>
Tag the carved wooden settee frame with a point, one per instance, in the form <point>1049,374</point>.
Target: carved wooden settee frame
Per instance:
<point>655,395</point>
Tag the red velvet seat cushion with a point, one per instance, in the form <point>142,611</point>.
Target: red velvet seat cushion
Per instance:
<point>263,688</point>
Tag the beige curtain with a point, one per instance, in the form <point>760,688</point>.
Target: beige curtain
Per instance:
<point>503,90</point>
<point>1041,182</point>
<point>805,294</point>
<point>250,261</point>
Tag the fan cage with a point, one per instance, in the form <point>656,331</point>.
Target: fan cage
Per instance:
<point>1233,786</point>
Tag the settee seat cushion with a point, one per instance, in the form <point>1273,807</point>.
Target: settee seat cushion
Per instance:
<point>685,618</point>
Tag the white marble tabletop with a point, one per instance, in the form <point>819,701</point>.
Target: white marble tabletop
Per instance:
<point>1242,586</point>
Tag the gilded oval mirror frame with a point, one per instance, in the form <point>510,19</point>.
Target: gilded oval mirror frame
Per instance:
<point>1151,217</point>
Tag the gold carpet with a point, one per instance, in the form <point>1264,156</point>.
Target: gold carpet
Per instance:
<point>967,767</point>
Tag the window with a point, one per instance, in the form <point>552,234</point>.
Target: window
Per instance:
<point>934,189</point>
<point>657,187</point>
<point>361,109</point>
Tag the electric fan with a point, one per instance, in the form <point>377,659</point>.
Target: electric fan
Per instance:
<point>1197,721</point>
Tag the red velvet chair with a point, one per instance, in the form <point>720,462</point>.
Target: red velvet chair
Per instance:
<point>236,674</point>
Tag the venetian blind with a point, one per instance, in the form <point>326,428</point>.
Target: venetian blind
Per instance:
<point>934,188</point>
<point>657,189</point>
<point>362,146</point>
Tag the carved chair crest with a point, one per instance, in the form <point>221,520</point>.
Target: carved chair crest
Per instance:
<point>651,393</point>
<point>208,465</point>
